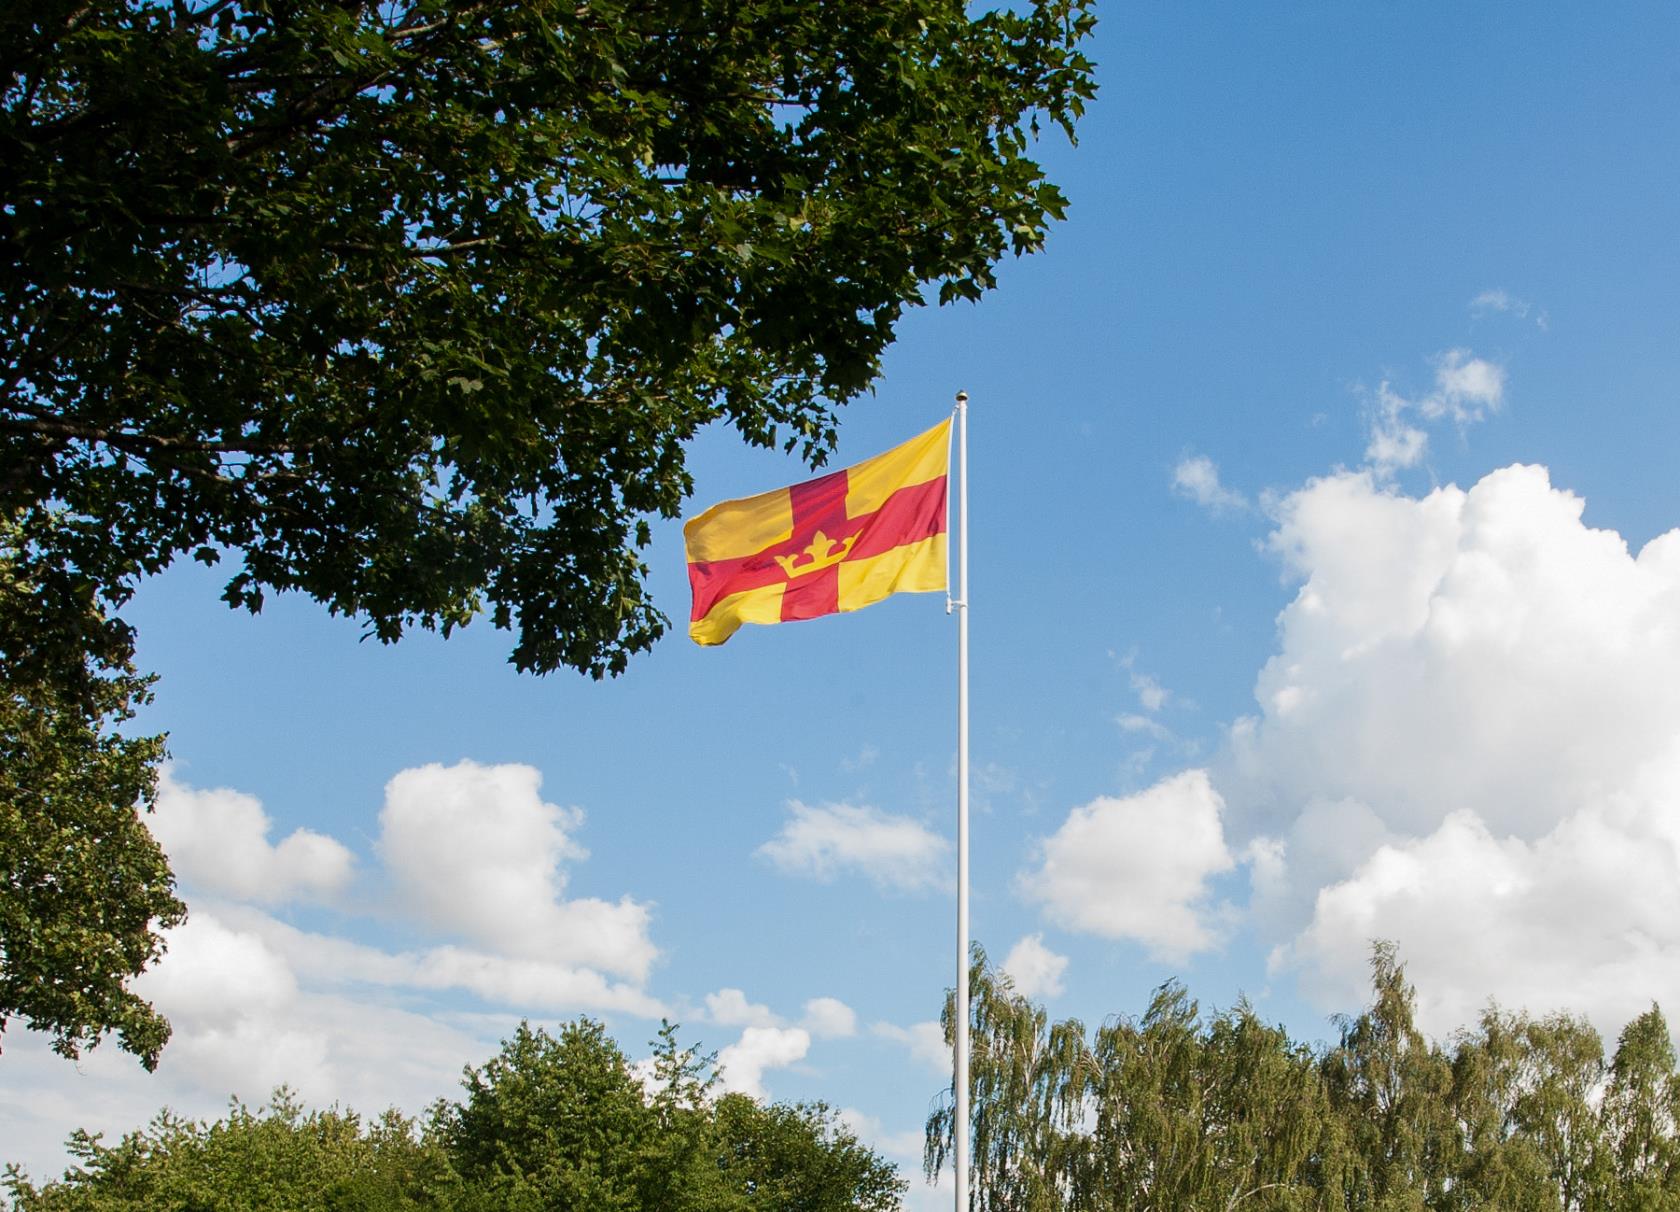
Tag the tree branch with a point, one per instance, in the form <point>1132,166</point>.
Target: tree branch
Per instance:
<point>121,440</point>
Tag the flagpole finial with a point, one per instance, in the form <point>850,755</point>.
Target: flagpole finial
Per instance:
<point>962,397</point>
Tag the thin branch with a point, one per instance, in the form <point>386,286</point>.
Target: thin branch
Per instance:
<point>126,441</point>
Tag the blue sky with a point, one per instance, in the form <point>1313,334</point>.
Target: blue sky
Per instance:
<point>1314,468</point>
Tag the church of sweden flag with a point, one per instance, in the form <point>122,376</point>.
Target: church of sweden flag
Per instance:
<point>839,542</point>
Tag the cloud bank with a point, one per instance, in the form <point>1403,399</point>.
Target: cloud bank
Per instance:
<point>1467,741</point>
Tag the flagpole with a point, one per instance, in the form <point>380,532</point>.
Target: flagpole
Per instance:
<point>959,1148</point>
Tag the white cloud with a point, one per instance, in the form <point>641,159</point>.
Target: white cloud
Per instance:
<point>246,1018</point>
<point>925,1041</point>
<point>1394,443</point>
<point>1467,389</point>
<point>1132,722</point>
<point>1466,742</point>
<point>829,1018</point>
<point>1584,918</point>
<point>893,851</point>
<point>824,1018</point>
<point>1150,692</point>
<point>1137,867</point>
<point>476,851</point>
<point>217,841</point>
<point>1492,302</point>
<point>1152,696</point>
<point>1035,969</point>
<point>730,1008</point>
<point>742,1065</point>
<point>256,1001</point>
<point>1497,300</point>
<point>534,984</point>
<point>1196,478</point>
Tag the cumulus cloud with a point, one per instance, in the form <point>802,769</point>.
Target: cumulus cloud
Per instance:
<point>1034,968</point>
<point>217,841</point>
<point>824,1017</point>
<point>233,1004</point>
<point>476,851</point>
<point>730,1008</point>
<point>742,1065</point>
<point>256,1001</point>
<point>1467,742</point>
<point>829,1018</point>
<point>247,1018</point>
<point>824,841</point>
<point>1196,478</point>
<point>1137,867</point>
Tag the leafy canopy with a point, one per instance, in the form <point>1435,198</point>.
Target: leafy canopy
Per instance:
<point>553,1122</point>
<point>1224,1112</point>
<point>413,305</point>
<point>84,887</point>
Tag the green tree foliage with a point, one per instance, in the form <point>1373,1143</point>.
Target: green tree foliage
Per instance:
<point>84,888</point>
<point>780,1157</point>
<point>1641,1111</point>
<point>560,1123</point>
<point>413,305</point>
<point>1390,1086</point>
<point>1225,1113</point>
<point>276,1159</point>
<point>1525,1094</point>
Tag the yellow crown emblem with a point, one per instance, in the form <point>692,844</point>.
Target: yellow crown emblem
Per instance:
<point>824,553</point>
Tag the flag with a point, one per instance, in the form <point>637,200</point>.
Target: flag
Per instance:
<point>839,542</point>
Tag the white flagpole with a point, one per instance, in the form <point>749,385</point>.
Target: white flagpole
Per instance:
<point>959,1148</point>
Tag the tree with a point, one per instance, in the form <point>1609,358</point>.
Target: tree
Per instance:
<point>1524,1092</point>
<point>560,1123</point>
<point>1641,1120</point>
<point>1166,1111</point>
<point>564,1122</point>
<point>276,1159</point>
<point>84,887</point>
<point>1224,1113</point>
<point>1027,1101</point>
<point>779,1157</point>
<point>553,1122</point>
<point>414,305</point>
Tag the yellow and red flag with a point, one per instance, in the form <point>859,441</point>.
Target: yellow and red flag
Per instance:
<point>839,542</point>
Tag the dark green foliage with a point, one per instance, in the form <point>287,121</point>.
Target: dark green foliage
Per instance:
<point>83,885</point>
<point>1177,1110</point>
<point>776,1158</point>
<point>414,305</point>
<point>556,1123</point>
